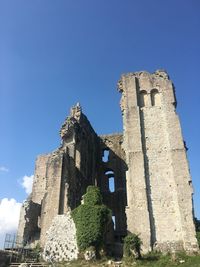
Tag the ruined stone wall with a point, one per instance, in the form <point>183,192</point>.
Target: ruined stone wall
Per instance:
<point>22,223</point>
<point>39,181</point>
<point>137,205</point>
<point>28,229</point>
<point>151,191</point>
<point>44,202</point>
<point>114,167</point>
<point>51,200</point>
<point>155,150</point>
<point>87,156</point>
<point>29,223</point>
<point>61,177</point>
<point>81,143</point>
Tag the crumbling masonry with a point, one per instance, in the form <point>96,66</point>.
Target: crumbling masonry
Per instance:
<point>152,190</point>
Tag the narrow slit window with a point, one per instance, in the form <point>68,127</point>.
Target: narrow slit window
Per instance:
<point>111,184</point>
<point>143,98</point>
<point>114,221</point>
<point>105,157</point>
<point>111,180</point>
<point>155,98</point>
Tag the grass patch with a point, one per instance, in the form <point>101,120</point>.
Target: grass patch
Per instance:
<point>149,260</point>
<point>159,260</point>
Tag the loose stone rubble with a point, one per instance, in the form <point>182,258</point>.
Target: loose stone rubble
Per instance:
<point>90,254</point>
<point>61,242</point>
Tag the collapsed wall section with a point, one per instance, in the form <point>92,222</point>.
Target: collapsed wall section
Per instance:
<point>28,229</point>
<point>30,213</point>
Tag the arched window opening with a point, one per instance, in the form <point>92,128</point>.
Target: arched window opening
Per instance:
<point>108,173</point>
<point>111,180</point>
<point>143,98</point>
<point>155,98</point>
<point>106,153</point>
<point>114,221</point>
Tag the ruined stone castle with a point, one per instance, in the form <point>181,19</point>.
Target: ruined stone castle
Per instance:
<point>147,166</point>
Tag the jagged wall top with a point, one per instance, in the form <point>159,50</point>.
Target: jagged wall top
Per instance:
<point>71,120</point>
<point>142,74</point>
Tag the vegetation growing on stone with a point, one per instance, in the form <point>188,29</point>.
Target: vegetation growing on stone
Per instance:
<point>36,253</point>
<point>132,246</point>
<point>90,219</point>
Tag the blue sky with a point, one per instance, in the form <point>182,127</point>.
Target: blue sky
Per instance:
<point>56,53</point>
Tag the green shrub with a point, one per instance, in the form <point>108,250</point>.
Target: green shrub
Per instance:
<point>36,252</point>
<point>91,219</point>
<point>132,246</point>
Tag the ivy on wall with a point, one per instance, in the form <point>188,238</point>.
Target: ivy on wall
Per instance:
<point>91,219</point>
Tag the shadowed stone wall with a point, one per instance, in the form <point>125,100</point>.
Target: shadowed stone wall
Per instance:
<point>114,167</point>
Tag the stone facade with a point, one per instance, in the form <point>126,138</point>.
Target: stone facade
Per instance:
<point>143,174</point>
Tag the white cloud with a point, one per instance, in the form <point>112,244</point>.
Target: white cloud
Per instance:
<point>9,217</point>
<point>27,183</point>
<point>4,169</point>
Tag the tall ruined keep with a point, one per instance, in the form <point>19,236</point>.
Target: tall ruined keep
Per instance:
<point>152,190</point>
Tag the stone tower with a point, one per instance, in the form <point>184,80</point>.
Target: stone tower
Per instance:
<point>151,192</point>
<point>159,187</point>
